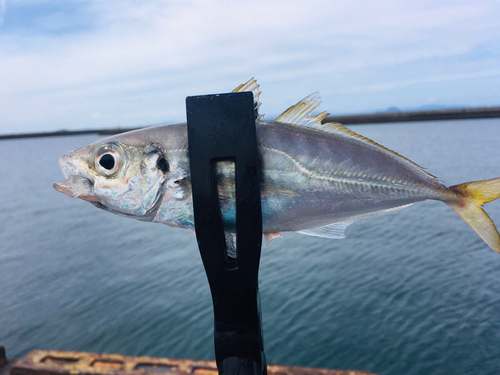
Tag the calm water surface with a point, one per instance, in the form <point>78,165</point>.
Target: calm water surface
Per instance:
<point>415,292</point>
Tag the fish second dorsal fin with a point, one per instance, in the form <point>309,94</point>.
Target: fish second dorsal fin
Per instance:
<point>300,113</point>
<point>253,87</point>
<point>337,128</point>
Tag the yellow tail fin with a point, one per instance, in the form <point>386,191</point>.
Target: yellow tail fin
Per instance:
<point>472,197</point>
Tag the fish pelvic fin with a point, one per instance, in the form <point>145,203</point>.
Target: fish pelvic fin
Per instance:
<point>269,236</point>
<point>252,86</point>
<point>470,208</point>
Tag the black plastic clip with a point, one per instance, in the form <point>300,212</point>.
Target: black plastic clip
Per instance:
<point>221,128</point>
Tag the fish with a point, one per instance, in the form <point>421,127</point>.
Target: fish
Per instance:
<point>316,178</point>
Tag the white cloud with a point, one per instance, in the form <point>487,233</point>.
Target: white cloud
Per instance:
<point>137,61</point>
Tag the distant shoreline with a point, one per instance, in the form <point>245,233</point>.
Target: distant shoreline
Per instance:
<point>434,115</point>
<point>375,118</point>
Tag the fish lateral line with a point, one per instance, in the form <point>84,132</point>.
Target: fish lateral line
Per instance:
<point>349,178</point>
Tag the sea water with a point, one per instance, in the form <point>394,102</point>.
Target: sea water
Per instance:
<point>414,292</point>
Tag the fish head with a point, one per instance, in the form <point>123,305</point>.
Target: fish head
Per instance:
<point>124,179</point>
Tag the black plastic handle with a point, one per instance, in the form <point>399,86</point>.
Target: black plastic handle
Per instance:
<point>222,128</point>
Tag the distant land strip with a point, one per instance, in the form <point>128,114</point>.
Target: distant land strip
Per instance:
<point>434,115</point>
<point>375,118</point>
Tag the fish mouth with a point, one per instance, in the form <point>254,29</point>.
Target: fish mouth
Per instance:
<point>63,187</point>
<point>77,187</point>
<point>76,184</point>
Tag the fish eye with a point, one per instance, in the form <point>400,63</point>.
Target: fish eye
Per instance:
<point>108,159</point>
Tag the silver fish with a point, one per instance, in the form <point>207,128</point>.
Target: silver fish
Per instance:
<point>316,178</point>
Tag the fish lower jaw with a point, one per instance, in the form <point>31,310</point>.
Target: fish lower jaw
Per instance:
<point>77,187</point>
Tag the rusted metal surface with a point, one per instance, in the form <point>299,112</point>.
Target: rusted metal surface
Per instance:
<point>51,362</point>
<point>5,367</point>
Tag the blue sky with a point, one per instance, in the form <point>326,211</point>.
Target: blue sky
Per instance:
<point>87,64</point>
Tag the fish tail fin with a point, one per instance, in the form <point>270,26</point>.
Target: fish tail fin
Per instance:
<point>469,206</point>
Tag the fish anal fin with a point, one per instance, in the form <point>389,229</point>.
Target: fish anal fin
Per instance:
<point>252,86</point>
<point>336,230</point>
<point>269,236</point>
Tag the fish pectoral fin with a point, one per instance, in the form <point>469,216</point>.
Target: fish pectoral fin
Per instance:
<point>253,87</point>
<point>227,190</point>
<point>269,190</point>
<point>269,236</point>
<point>336,230</point>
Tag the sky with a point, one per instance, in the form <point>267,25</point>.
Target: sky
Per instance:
<point>87,64</point>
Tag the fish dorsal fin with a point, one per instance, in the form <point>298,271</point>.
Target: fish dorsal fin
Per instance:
<point>300,113</point>
<point>253,87</point>
<point>336,230</point>
<point>336,128</point>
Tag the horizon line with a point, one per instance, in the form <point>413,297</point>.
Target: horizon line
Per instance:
<point>358,119</point>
